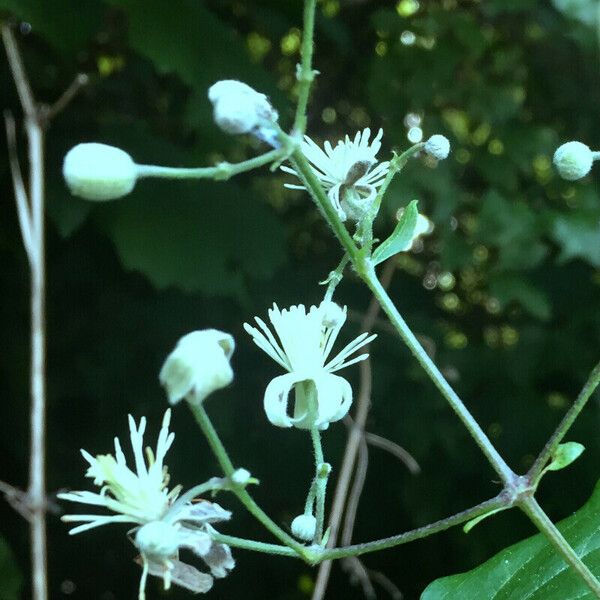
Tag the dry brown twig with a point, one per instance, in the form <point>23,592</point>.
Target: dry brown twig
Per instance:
<point>356,448</point>
<point>30,200</point>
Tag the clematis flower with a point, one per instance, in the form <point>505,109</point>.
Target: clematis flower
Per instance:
<point>349,171</point>
<point>164,524</point>
<point>305,343</point>
<point>198,366</point>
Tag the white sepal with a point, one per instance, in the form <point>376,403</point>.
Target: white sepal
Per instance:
<point>198,366</point>
<point>99,172</point>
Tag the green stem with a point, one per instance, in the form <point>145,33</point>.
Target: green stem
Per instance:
<point>366,271</point>
<point>305,74</point>
<point>253,545</point>
<point>221,172</point>
<point>416,534</point>
<point>545,455</point>
<point>244,497</point>
<point>335,277</point>
<point>481,439</point>
<point>396,165</point>
<point>321,475</point>
<point>533,510</point>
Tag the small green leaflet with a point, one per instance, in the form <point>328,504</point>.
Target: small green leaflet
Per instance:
<point>531,569</point>
<point>401,237</point>
<point>564,455</point>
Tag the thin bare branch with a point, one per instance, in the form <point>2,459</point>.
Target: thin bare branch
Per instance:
<point>18,72</point>
<point>352,445</point>
<point>358,574</point>
<point>79,82</point>
<point>21,198</point>
<point>395,450</point>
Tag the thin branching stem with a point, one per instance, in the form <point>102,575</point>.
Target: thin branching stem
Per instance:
<point>546,454</point>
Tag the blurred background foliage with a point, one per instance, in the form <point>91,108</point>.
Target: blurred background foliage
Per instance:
<point>504,293</point>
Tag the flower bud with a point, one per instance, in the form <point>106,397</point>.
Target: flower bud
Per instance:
<point>238,108</point>
<point>157,539</point>
<point>333,314</point>
<point>304,527</point>
<point>573,160</point>
<point>198,366</point>
<point>438,147</point>
<point>99,172</point>
<point>241,476</point>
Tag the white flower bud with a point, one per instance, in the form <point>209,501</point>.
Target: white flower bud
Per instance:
<point>157,539</point>
<point>333,314</point>
<point>238,108</point>
<point>573,160</point>
<point>241,476</point>
<point>99,172</point>
<point>198,366</point>
<point>304,527</point>
<point>438,146</point>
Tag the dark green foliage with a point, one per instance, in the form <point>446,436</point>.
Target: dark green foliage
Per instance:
<point>505,292</point>
<point>531,568</point>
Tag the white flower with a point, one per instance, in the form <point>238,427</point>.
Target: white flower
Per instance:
<point>164,523</point>
<point>99,172</point>
<point>573,160</point>
<point>305,342</point>
<point>304,527</point>
<point>438,146</point>
<point>348,167</point>
<point>198,366</point>
<point>238,108</point>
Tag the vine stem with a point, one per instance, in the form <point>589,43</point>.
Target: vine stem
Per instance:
<point>305,74</point>
<point>214,441</point>
<point>499,501</point>
<point>533,510</point>
<point>367,272</point>
<point>222,171</point>
<point>546,454</point>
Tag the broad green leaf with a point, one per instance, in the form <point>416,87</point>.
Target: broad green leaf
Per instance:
<point>585,11</point>
<point>510,287</point>
<point>532,568</point>
<point>401,237</point>
<point>565,454</point>
<point>190,41</point>
<point>202,236</point>
<point>579,236</point>
<point>11,580</point>
<point>65,28</point>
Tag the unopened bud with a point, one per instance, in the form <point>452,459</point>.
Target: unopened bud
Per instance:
<point>241,476</point>
<point>573,160</point>
<point>157,539</point>
<point>438,147</point>
<point>333,314</point>
<point>99,172</point>
<point>238,108</point>
<point>304,527</point>
<point>198,366</point>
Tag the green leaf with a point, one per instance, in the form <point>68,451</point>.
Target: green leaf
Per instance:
<point>203,236</point>
<point>11,580</point>
<point>581,10</point>
<point>470,524</point>
<point>564,455</point>
<point>579,236</point>
<point>66,29</point>
<point>509,287</point>
<point>401,237</point>
<point>196,45</point>
<point>532,568</point>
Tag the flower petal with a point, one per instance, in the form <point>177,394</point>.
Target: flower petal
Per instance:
<point>276,399</point>
<point>334,398</point>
